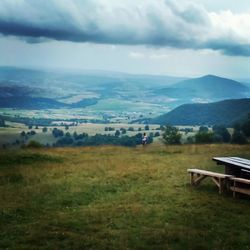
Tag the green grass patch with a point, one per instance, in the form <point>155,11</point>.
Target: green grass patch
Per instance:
<point>21,157</point>
<point>119,198</point>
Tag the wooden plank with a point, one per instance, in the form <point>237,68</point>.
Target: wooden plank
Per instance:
<point>198,180</point>
<point>216,182</point>
<point>233,160</point>
<point>239,161</point>
<point>226,161</point>
<point>243,160</point>
<point>240,190</point>
<point>241,180</point>
<point>208,173</point>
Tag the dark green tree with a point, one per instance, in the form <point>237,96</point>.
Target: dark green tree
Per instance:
<point>32,132</point>
<point>45,129</point>
<point>246,126</point>
<point>238,137</point>
<point>117,133</point>
<point>203,129</point>
<point>221,134</point>
<point>171,135</point>
<point>23,133</point>
<point>157,134</point>
<point>204,137</point>
<point>2,122</point>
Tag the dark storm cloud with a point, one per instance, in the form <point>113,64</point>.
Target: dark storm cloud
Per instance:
<point>127,22</point>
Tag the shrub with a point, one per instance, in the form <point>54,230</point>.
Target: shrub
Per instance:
<point>23,133</point>
<point>204,137</point>
<point>117,133</point>
<point>32,132</point>
<point>203,129</point>
<point>171,135</point>
<point>246,127</point>
<point>45,129</point>
<point>222,132</point>
<point>157,134</point>
<point>238,137</point>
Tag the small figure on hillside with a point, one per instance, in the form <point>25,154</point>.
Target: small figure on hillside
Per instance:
<point>144,139</point>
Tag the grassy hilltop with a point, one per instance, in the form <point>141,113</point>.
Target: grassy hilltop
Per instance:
<point>118,198</point>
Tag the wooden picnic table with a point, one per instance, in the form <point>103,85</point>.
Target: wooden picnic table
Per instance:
<point>239,167</point>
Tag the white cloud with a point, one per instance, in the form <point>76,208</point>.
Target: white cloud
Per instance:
<point>136,55</point>
<point>161,23</point>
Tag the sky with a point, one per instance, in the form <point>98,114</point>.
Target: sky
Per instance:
<point>186,38</point>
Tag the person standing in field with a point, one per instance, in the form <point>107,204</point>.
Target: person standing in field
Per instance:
<point>144,139</point>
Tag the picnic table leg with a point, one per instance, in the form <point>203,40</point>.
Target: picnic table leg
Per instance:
<point>192,178</point>
<point>234,189</point>
<point>220,186</point>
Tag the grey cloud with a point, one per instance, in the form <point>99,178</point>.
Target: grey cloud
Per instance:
<point>127,22</point>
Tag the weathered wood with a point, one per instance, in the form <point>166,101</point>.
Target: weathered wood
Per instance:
<point>198,180</point>
<point>208,173</point>
<point>240,190</point>
<point>233,161</point>
<point>241,180</point>
<point>235,188</point>
<point>197,175</point>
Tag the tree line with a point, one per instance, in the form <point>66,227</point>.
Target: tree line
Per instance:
<point>218,134</point>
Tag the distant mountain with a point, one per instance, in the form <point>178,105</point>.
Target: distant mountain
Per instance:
<point>206,89</point>
<point>224,112</point>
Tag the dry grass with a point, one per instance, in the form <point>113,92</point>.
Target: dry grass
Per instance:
<point>118,198</point>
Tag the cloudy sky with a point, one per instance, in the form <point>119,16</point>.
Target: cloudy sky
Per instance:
<point>184,38</point>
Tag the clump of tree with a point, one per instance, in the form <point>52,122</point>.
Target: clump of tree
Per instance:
<point>238,136</point>
<point>32,132</point>
<point>109,129</point>
<point>204,137</point>
<point>171,135</point>
<point>98,139</point>
<point>79,136</point>
<point>245,127</point>
<point>57,132</point>
<point>203,129</point>
<point>2,122</point>
<point>157,134</point>
<point>221,134</point>
<point>45,129</point>
<point>123,131</point>
<point>131,129</point>
<point>23,133</point>
<point>117,133</point>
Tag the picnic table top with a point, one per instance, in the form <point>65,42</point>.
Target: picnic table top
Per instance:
<point>233,161</point>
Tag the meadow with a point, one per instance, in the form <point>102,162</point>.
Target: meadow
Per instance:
<point>118,198</point>
<point>11,133</point>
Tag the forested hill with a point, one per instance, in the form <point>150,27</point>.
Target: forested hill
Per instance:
<point>224,112</point>
<point>208,88</point>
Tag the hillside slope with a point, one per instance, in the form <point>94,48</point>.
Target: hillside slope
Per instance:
<point>206,88</point>
<point>224,112</point>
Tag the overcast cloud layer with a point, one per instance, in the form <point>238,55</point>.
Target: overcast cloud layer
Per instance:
<point>129,22</point>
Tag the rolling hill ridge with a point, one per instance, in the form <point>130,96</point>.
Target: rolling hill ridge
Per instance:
<point>224,112</point>
<point>208,88</point>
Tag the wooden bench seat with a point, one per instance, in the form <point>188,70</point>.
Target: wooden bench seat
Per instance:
<point>244,189</point>
<point>197,175</point>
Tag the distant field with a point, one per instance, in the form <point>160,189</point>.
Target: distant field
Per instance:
<point>118,198</point>
<point>12,133</point>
